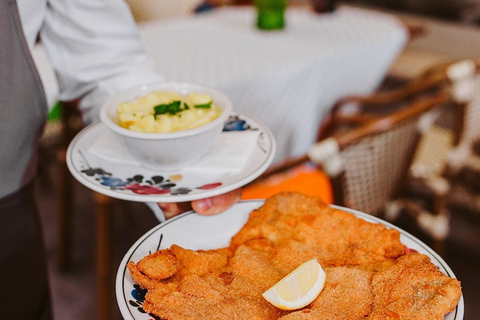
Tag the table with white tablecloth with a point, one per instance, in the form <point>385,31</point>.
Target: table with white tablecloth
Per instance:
<point>287,79</point>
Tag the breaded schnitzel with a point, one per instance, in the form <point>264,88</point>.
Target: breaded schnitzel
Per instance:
<point>369,274</point>
<point>306,226</point>
<point>413,288</point>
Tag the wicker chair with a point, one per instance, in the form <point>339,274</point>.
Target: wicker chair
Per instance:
<point>355,110</point>
<point>368,164</point>
<point>426,187</point>
<point>447,164</point>
<point>463,161</point>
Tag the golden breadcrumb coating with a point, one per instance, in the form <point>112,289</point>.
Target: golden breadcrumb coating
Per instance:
<point>369,274</point>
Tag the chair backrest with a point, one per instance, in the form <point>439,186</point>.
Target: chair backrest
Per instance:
<point>461,77</point>
<point>469,91</point>
<point>368,164</point>
<point>351,111</point>
<point>464,77</point>
<point>374,167</point>
<point>377,147</point>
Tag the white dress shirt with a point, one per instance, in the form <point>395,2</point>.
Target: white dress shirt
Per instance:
<point>92,45</point>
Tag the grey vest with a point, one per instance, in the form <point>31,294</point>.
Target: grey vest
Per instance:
<point>23,108</point>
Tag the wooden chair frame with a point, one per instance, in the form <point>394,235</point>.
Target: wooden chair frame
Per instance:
<point>71,124</point>
<point>432,80</point>
<point>371,127</point>
<point>436,85</point>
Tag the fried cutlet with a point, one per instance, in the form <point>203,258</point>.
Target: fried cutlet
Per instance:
<point>223,292</point>
<point>347,295</point>
<point>413,288</point>
<point>304,224</point>
<point>369,274</point>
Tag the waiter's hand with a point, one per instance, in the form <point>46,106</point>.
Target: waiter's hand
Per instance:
<point>207,206</point>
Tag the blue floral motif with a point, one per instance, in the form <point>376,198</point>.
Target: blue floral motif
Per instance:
<point>136,184</point>
<point>234,123</point>
<point>138,293</point>
<point>140,185</point>
<point>114,183</point>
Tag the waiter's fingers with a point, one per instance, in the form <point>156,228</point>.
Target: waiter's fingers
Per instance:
<point>217,204</point>
<point>172,209</point>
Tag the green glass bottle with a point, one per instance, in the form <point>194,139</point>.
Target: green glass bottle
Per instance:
<point>271,14</point>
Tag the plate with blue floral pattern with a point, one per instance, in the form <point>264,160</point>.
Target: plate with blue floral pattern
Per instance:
<point>132,182</point>
<point>212,232</point>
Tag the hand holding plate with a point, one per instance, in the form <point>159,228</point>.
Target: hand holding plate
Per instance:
<point>207,206</point>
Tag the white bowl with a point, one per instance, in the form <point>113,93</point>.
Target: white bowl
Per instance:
<point>167,151</point>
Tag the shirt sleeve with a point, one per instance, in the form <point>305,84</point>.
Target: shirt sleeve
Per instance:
<point>95,49</point>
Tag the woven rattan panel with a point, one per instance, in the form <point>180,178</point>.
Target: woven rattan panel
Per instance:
<point>431,156</point>
<point>375,166</point>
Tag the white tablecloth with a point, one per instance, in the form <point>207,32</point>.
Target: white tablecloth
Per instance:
<point>287,79</point>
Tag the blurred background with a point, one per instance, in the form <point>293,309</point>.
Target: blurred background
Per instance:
<point>445,31</point>
<point>460,11</point>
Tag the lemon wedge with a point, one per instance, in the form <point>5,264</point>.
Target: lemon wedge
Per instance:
<point>299,288</point>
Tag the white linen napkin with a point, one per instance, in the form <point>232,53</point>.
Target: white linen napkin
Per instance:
<point>229,154</point>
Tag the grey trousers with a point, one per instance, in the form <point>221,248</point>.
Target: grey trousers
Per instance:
<point>24,286</point>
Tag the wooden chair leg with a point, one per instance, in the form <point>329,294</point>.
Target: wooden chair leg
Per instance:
<point>70,125</point>
<point>64,221</point>
<point>104,251</point>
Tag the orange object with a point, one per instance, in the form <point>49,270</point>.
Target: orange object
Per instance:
<point>304,178</point>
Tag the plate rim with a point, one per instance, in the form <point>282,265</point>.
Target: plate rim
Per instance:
<point>122,269</point>
<point>164,198</point>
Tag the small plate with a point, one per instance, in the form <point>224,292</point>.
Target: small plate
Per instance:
<point>201,232</point>
<point>125,181</point>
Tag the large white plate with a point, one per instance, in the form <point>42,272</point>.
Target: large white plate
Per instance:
<point>195,232</point>
<point>111,177</point>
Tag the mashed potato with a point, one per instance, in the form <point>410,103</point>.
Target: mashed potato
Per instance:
<point>166,111</point>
